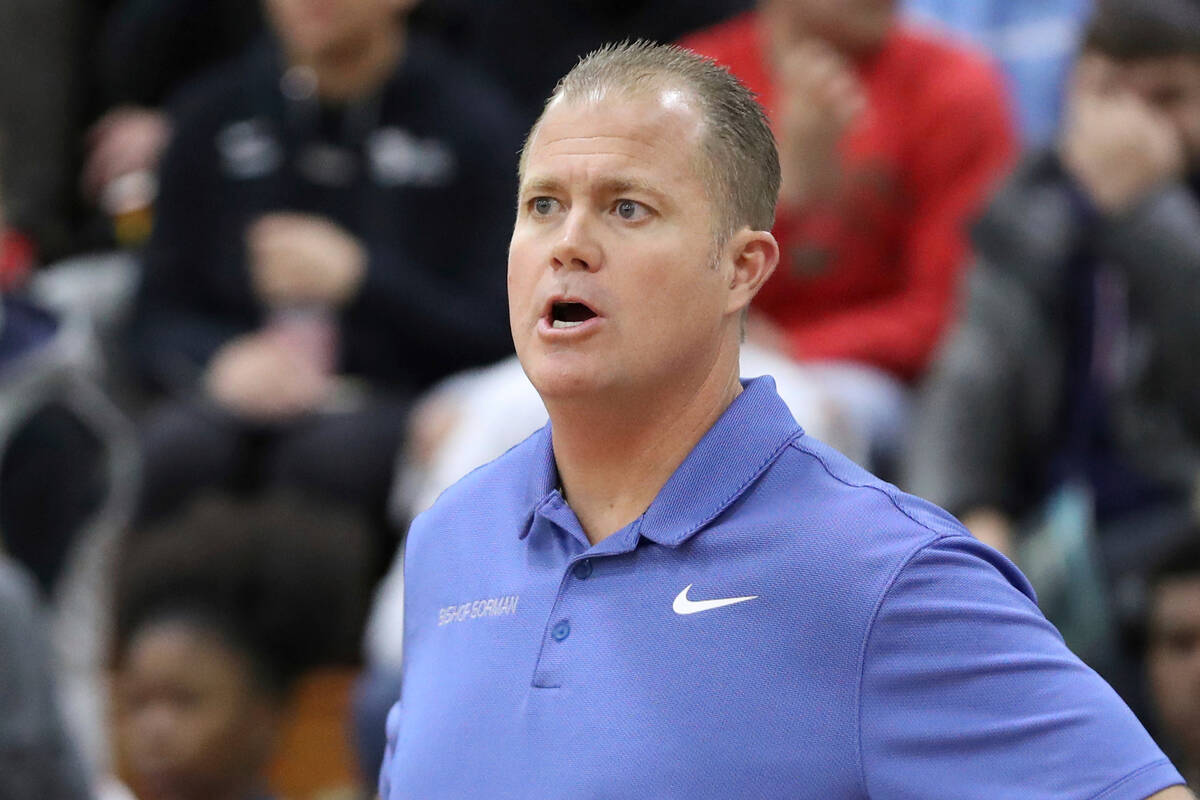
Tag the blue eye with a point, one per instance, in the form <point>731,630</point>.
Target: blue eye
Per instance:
<point>629,209</point>
<point>543,205</point>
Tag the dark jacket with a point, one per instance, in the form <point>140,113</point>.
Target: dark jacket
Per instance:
<point>997,405</point>
<point>423,173</point>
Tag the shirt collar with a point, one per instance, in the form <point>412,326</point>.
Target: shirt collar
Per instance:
<point>736,449</point>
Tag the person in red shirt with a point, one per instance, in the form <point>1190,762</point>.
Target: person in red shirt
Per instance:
<point>889,142</point>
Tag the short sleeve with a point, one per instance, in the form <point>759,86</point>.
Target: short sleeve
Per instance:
<point>968,692</point>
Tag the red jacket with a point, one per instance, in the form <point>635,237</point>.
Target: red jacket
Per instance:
<point>872,277</point>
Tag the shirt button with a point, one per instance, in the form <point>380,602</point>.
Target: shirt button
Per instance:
<point>583,569</point>
<point>561,630</point>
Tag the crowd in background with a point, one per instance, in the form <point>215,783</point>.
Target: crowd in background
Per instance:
<point>252,273</point>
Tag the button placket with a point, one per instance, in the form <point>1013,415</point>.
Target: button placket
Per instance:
<point>559,627</point>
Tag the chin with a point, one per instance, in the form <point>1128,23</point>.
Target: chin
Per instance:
<point>554,384</point>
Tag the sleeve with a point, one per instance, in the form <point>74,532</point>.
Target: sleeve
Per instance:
<point>452,301</point>
<point>978,409</point>
<point>1157,243</point>
<point>458,323</point>
<point>178,324</point>
<point>968,692</point>
<point>965,143</point>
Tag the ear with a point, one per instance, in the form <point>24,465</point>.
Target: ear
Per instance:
<point>754,255</point>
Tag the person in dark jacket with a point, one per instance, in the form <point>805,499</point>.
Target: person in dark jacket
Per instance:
<point>1070,389</point>
<point>330,241</point>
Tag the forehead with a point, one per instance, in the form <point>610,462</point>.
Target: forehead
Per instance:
<point>1148,75</point>
<point>657,135</point>
<point>1176,601</point>
<point>179,649</point>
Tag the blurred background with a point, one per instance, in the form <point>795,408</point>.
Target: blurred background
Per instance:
<point>253,319</point>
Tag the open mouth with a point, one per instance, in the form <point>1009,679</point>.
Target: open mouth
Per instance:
<point>569,314</point>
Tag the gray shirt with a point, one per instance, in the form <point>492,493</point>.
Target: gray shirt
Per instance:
<point>37,761</point>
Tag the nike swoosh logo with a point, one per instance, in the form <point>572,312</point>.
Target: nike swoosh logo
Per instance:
<point>683,605</point>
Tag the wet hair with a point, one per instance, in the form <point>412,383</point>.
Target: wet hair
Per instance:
<point>280,581</point>
<point>739,161</point>
<point>1132,30</point>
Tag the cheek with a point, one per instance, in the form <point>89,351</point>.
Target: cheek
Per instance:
<point>227,741</point>
<point>1188,120</point>
<point>519,293</point>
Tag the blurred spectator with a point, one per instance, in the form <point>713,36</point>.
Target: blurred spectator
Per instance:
<point>889,142</point>
<point>330,241</point>
<point>37,762</point>
<point>1172,653</point>
<point>145,52</point>
<point>1034,41</point>
<point>1071,380</point>
<point>65,63</point>
<point>219,612</point>
<point>527,45</point>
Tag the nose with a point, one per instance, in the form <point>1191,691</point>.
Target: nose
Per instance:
<point>577,247</point>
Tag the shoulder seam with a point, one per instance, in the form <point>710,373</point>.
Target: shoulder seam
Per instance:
<point>891,497</point>
<point>866,642</point>
<point>934,537</point>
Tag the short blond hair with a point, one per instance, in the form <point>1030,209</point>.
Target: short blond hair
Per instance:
<point>739,164</point>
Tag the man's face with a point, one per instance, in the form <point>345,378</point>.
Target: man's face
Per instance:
<point>611,278</point>
<point>313,29</point>
<point>1173,661</point>
<point>1170,86</point>
<point>852,26</point>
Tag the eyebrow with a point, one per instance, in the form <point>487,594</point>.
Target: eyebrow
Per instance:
<point>540,186</point>
<point>609,186</point>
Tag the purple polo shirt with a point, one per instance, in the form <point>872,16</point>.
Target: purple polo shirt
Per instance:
<point>778,624</point>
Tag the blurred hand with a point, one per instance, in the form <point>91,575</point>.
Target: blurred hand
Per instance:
<point>260,377</point>
<point>820,97</point>
<point>302,258</point>
<point>123,141</point>
<point>1115,145</point>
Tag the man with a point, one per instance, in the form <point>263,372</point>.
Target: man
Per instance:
<point>889,142</point>
<point>1172,651</point>
<point>308,273</point>
<point>671,591</point>
<point>1073,363</point>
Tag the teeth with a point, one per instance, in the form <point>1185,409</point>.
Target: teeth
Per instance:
<point>562,323</point>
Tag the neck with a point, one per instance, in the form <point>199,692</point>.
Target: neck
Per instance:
<point>354,69</point>
<point>611,477</point>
